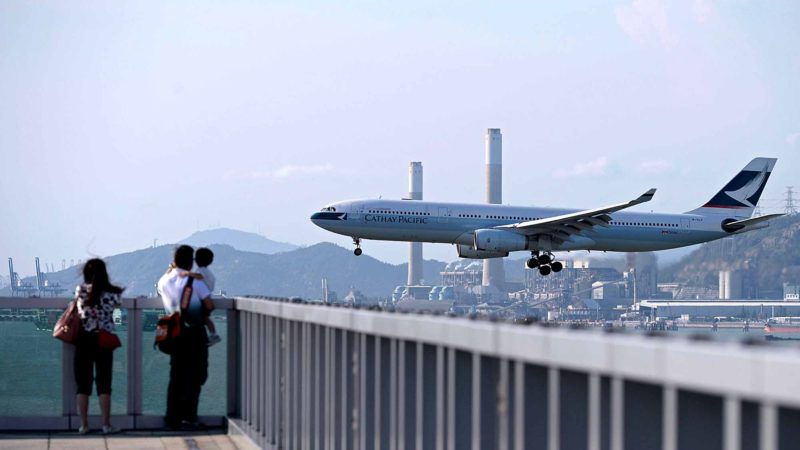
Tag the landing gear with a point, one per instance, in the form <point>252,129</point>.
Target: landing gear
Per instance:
<point>358,250</point>
<point>532,263</point>
<point>545,258</point>
<point>544,262</point>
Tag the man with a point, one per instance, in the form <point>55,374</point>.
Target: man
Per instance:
<point>189,362</point>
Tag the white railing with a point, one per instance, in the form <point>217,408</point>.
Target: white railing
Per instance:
<point>337,378</point>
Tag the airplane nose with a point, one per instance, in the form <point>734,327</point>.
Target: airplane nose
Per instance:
<point>323,218</point>
<point>316,218</point>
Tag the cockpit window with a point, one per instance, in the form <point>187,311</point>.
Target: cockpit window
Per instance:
<point>329,208</point>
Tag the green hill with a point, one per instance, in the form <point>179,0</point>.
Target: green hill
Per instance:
<point>770,257</point>
<point>293,273</point>
<point>240,240</point>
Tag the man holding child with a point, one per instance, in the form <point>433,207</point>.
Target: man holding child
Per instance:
<point>189,361</point>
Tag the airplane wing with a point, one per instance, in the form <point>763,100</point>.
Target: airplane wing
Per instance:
<point>560,228</point>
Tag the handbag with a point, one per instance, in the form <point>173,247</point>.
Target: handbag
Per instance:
<point>168,328</point>
<point>108,340</point>
<point>68,325</point>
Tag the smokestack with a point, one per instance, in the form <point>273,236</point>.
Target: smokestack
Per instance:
<point>493,273</point>
<point>414,248</point>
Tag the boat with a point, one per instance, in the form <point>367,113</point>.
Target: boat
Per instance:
<point>782,328</point>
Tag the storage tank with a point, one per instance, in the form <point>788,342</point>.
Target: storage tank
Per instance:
<point>730,284</point>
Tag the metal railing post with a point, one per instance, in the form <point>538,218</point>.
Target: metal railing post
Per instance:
<point>768,435</point>
<point>553,409</point>
<point>594,412</point>
<point>617,413</point>
<point>520,400</point>
<point>732,424</point>
<point>477,390</point>
<point>68,386</point>
<point>669,419</point>
<point>134,353</point>
<point>232,360</point>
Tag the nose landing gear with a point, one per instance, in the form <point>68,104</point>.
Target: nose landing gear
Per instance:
<point>358,250</point>
<point>545,262</point>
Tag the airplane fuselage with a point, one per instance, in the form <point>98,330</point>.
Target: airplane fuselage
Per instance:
<point>456,223</point>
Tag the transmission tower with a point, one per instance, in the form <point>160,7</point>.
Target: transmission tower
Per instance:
<point>790,208</point>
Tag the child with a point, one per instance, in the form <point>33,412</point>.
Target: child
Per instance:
<point>203,257</point>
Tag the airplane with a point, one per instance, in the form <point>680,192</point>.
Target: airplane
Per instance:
<point>482,231</point>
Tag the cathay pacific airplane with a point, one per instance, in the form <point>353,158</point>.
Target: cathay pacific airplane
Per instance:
<point>493,231</point>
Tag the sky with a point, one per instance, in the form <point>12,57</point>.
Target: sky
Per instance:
<point>126,122</point>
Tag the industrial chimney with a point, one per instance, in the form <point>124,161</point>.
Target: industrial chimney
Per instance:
<point>414,248</point>
<point>493,274</point>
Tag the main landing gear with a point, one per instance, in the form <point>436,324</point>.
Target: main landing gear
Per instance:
<point>545,262</point>
<point>358,250</point>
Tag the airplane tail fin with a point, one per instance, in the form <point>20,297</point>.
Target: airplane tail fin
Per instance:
<point>740,196</point>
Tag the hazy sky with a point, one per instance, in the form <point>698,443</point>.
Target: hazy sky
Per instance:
<point>121,122</point>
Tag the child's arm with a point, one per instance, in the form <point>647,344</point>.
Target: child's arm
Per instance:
<point>194,275</point>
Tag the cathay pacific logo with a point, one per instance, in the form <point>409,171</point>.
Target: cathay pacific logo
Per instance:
<point>743,191</point>
<point>329,216</point>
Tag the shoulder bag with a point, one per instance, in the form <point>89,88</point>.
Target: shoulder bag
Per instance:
<point>69,324</point>
<point>168,329</point>
<point>108,340</point>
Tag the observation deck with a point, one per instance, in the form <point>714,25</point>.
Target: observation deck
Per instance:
<point>304,375</point>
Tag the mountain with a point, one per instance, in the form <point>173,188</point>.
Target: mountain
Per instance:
<point>769,257</point>
<point>293,273</point>
<point>240,240</point>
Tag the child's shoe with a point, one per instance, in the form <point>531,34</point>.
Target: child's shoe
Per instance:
<point>214,339</point>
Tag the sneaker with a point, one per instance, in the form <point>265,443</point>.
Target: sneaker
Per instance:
<point>110,429</point>
<point>83,430</point>
<point>214,339</point>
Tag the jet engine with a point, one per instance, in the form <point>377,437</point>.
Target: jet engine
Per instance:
<point>500,241</point>
<point>466,251</point>
<point>728,228</point>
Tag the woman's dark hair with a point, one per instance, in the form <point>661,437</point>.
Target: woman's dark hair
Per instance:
<point>94,273</point>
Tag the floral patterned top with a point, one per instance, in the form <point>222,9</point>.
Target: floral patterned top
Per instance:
<point>100,316</point>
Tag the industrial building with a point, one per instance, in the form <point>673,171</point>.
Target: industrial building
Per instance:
<point>745,309</point>
<point>791,292</point>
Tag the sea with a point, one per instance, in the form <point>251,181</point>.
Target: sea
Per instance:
<point>31,369</point>
<point>31,373</point>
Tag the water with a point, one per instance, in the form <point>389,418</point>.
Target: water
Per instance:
<point>31,364</point>
<point>755,334</point>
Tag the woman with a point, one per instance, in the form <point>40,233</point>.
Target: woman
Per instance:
<point>96,298</point>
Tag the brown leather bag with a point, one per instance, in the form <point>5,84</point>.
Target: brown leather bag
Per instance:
<point>69,324</point>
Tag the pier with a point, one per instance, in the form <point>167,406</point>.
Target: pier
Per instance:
<point>306,375</point>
